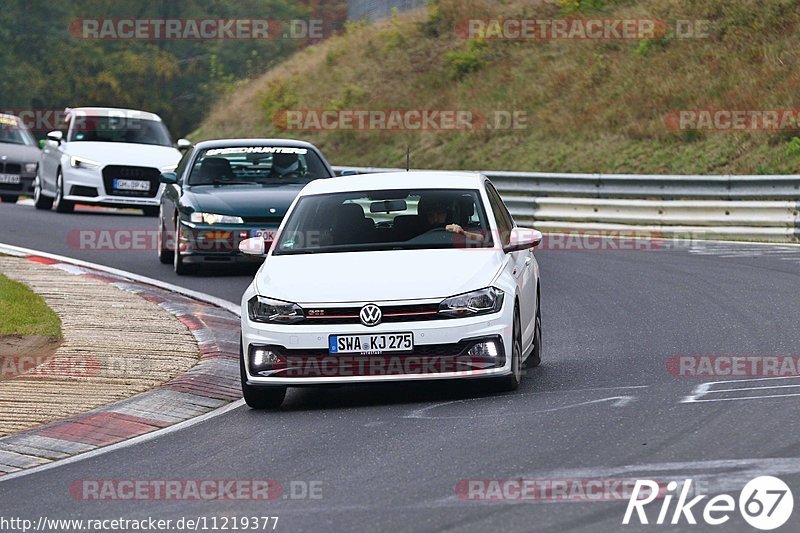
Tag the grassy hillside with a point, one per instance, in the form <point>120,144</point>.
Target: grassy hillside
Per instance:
<point>591,106</point>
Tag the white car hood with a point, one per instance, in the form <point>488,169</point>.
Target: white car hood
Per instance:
<point>377,276</point>
<point>114,153</point>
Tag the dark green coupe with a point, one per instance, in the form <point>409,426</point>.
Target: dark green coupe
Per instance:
<point>225,191</point>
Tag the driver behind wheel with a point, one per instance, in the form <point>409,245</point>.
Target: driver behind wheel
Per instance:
<point>435,212</point>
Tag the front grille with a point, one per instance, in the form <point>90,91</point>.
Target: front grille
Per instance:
<point>112,172</point>
<point>391,313</point>
<point>10,168</point>
<point>430,360</point>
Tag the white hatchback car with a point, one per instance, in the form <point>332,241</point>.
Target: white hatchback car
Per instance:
<point>391,277</point>
<point>110,157</point>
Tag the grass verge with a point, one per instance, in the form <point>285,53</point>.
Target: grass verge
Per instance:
<point>590,105</point>
<point>23,312</point>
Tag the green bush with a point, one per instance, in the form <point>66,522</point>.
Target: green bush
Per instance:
<point>463,62</point>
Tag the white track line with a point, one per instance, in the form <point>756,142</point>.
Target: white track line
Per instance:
<point>219,302</point>
<point>126,443</point>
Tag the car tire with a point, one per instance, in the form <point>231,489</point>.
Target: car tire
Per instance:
<point>511,382</point>
<point>151,210</point>
<point>165,255</point>
<point>62,206</point>
<point>9,198</point>
<point>40,201</point>
<point>180,267</point>
<point>259,397</point>
<point>535,358</point>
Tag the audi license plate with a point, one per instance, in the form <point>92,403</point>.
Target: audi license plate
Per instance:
<point>371,344</point>
<point>131,185</point>
<point>9,179</point>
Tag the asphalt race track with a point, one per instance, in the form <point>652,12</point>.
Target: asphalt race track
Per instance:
<point>389,457</point>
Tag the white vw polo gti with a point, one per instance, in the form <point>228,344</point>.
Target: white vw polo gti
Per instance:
<point>391,277</point>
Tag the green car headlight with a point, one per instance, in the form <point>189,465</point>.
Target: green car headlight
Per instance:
<point>213,218</point>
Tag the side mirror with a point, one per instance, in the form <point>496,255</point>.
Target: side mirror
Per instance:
<point>183,144</point>
<point>349,173</point>
<point>253,246</point>
<point>170,178</point>
<point>55,136</point>
<point>523,239</point>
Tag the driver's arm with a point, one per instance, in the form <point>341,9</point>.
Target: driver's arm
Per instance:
<point>455,228</point>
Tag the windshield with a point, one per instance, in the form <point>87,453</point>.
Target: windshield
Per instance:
<point>12,131</point>
<point>119,129</point>
<point>267,165</point>
<point>386,220</point>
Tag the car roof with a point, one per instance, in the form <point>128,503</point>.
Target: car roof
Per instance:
<point>416,179</point>
<point>223,143</point>
<point>114,111</point>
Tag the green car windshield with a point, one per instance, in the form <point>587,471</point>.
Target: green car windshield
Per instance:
<point>237,165</point>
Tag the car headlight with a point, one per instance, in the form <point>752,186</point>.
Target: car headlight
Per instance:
<point>31,168</point>
<point>263,309</point>
<point>169,168</point>
<point>481,302</point>
<point>82,162</point>
<point>213,218</point>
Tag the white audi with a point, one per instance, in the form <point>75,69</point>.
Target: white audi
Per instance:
<point>110,157</point>
<point>391,277</point>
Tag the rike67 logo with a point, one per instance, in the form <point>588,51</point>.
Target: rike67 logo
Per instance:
<point>765,503</point>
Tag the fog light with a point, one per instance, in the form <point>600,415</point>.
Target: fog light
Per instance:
<point>263,358</point>
<point>484,349</point>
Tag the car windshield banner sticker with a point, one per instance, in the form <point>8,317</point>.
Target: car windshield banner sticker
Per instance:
<point>257,150</point>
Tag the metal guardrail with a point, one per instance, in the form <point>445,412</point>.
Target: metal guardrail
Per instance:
<point>761,208</point>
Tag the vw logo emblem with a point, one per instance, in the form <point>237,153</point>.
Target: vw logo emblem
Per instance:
<point>370,315</point>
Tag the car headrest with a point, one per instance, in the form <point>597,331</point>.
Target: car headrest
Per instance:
<point>215,168</point>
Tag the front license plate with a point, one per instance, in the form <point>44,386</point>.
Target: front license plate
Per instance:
<point>131,185</point>
<point>371,344</point>
<point>267,234</point>
<point>11,179</point>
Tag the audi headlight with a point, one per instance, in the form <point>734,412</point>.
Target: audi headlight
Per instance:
<point>213,218</point>
<point>263,309</point>
<point>481,302</point>
<point>82,162</point>
<point>31,168</point>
